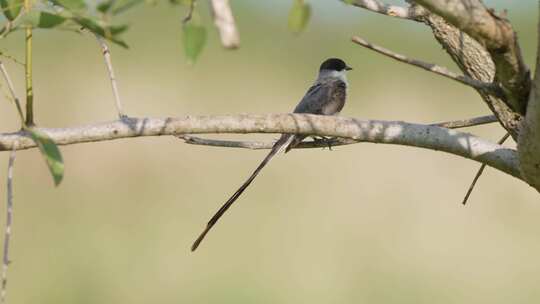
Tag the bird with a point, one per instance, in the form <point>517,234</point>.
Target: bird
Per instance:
<point>325,97</point>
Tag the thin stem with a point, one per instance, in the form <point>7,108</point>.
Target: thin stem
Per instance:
<point>464,123</point>
<point>261,145</point>
<point>9,223</point>
<point>480,171</point>
<point>189,15</point>
<point>12,91</point>
<point>6,29</point>
<point>10,57</point>
<point>28,71</point>
<point>107,56</point>
<point>8,26</point>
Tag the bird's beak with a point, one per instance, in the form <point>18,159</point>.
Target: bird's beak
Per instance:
<point>348,68</point>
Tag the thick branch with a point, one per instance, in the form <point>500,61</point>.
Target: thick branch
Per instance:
<point>494,65</point>
<point>472,17</point>
<point>529,137</point>
<point>476,62</point>
<point>390,132</point>
<point>497,36</point>
<point>259,145</point>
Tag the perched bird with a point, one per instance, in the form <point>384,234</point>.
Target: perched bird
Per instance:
<point>325,97</point>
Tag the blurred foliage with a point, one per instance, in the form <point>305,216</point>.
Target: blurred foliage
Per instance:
<point>194,40</point>
<point>363,223</point>
<point>71,15</point>
<point>299,16</point>
<point>11,8</point>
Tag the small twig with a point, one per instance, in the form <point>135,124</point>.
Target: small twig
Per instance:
<point>491,88</point>
<point>190,12</point>
<point>12,58</point>
<point>6,29</point>
<point>9,223</point>
<point>259,145</point>
<point>8,26</point>
<point>411,13</point>
<point>12,91</point>
<point>224,21</point>
<point>480,171</point>
<point>107,56</point>
<point>471,122</point>
<point>28,70</point>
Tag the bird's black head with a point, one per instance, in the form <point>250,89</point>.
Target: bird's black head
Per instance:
<point>334,64</point>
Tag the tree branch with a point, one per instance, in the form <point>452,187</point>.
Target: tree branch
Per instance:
<point>529,137</point>
<point>108,62</point>
<point>464,123</point>
<point>497,36</point>
<point>472,17</point>
<point>12,91</point>
<point>499,65</point>
<point>259,145</point>
<point>189,15</point>
<point>28,75</point>
<point>224,21</point>
<point>9,225</point>
<point>376,131</point>
<point>390,10</point>
<point>490,88</point>
<point>263,145</point>
<point>475,61</point>
<point>479,173</point>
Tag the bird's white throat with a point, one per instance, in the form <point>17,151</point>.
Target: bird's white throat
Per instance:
<point>325,74</point>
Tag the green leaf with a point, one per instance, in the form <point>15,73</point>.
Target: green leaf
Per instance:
<point>117,6</point>
<point>48,20</point>
<point>105,6</point>
<point>299,16</point>
<point>71,5</point>
<point>109,32</point>
<point>350,2</point>
<point>50,152</point>
<point>194,38</point>
<point>11,8</point>
<point>181,2</point>
<point>41,19</point>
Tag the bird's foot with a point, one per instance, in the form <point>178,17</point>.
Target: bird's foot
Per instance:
<point>324,139</point>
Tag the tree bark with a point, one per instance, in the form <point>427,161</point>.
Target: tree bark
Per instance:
<point>376,131</point>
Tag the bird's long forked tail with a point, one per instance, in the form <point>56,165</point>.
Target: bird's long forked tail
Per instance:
<point>281,144</point>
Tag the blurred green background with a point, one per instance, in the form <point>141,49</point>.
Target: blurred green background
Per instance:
<point>362,224</point>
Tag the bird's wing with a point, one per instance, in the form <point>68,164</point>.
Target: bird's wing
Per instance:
<point>326,98</point>
<point>323,98</point>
